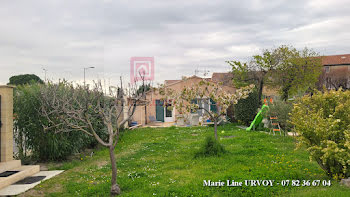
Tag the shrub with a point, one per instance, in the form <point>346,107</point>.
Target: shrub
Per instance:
<point>24,79</point>
<point>29,132</point>
<point>231,114</point>
<point>211,147</point>
<point>246,109</point>
<point>323,124</point>
<point>281,109</point>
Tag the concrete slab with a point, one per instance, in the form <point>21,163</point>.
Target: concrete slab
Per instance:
<point>4,166</point>
<point>16,189</point>
<point>159,124</point>
<point>24,171</point>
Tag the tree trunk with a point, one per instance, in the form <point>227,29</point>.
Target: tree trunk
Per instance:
<point>285,92</point>
<point>144,97</point>
<point>115,189</point>
<point>216,128</point>
<point>261,86</point>
<point>286,88</point>
<point>145,114</point>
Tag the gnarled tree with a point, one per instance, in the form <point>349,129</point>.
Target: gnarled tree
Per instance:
<point>74,108</point>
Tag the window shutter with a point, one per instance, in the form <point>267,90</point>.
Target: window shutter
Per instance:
<point>213,106</point>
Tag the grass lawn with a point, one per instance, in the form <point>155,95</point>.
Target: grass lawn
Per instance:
<point>160,162</point>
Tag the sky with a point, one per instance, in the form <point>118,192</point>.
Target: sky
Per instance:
<point>63,37</point>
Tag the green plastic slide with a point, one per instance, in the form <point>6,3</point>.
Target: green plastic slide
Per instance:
<point>258,118</point>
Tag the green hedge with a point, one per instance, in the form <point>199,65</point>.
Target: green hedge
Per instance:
<point>246,109</point>
<point>32,141</point>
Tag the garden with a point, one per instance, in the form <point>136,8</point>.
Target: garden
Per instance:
<point>175,161</point>
<point>162,162</point>
<point>57,123</point>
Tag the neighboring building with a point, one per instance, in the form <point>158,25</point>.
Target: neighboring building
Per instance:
<point>336,72</point>
<point>224,78</point>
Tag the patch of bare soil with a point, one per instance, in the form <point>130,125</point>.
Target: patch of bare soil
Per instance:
<point>100,164</point>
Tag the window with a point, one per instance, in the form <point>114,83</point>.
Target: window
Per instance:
<point>200,105</point>
<point>327,69</point>
<point>205,104</point>
<point>194,101</point>
<point>168,109</point>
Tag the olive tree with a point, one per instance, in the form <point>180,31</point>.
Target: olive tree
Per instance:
<point>75,111</point>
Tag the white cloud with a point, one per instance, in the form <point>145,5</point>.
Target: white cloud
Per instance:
<point>64,37</point>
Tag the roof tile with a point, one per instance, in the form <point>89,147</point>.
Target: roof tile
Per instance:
<point>336,60</point>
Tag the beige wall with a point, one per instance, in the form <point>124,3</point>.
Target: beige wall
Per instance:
<point>337,74</point>
<point>139,114</point>
<point>152,97</point>
<point>6,93</point>
<point>267,91</point>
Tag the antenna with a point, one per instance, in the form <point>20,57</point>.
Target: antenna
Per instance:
<point>205,72</point>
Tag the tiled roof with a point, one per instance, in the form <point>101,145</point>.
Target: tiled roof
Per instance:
<point>225,78</point>
<point>168,82</point>
<point>336,59</point>
<point>172,82</point>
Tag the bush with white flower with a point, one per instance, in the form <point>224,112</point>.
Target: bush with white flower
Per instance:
<point>183,99</point>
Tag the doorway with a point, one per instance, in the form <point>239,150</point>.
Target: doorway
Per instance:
<point>168,112</point>
<point>164,111</point>
<point>160,110</point>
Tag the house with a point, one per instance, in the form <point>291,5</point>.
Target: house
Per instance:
<point>157,109</point>
<point>336,72</point>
